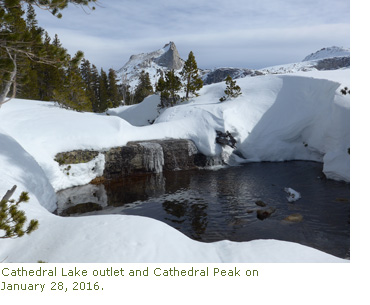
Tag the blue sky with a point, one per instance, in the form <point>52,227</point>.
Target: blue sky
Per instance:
<point>238,33</point>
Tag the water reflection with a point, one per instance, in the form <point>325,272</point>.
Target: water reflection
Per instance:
<point>226,204</point>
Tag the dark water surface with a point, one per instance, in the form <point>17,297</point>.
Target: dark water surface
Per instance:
<point>213,205</point>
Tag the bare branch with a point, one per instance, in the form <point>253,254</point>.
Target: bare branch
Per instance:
<point>9,194</point>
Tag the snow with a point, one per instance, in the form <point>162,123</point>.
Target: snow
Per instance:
<point>133,113</point>
<point>293,194</point>
<point>278,117</point>
<point>328,53</point>
<point>309,62</point>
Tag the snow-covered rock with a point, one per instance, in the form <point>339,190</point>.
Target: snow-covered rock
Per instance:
<point>332,58</point>
<point>156,63</point>
<point>328,53</point>
<point>293,195</point>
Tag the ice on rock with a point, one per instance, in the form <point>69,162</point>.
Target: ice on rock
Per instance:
<point>153,156</point>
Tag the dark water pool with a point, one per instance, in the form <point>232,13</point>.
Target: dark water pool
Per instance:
<point>235,203</point>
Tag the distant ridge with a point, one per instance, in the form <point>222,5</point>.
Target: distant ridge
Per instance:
<point>331,58</point>
<point>156,63</point>
<point>328,53</point>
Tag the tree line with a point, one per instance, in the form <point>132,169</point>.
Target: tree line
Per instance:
<point>34,66</point>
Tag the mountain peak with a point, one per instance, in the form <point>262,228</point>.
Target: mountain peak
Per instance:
<point>156,63</point>
<point>328,52</point>
<point>170,59</point>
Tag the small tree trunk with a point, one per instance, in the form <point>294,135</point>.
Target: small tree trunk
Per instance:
<point>9,83</point>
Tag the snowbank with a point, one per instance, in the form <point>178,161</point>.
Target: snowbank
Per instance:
<point>20,168</point>
<point>277,118</point>
<point>116,238</point>
<point>133,113</point>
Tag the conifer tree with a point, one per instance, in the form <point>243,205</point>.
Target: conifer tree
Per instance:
<point>144,88</point>
<point>13,30</point>
<point>12,220</point>
<point>190,75</point>
<point>95,84</point>
<point>104,103</point>
<point>161,85</point>
<point>169,88</point>
<point>71,92</point>
<point>27,76</point>
<point>113,92</point>
<point>87,76</point>
<point>232,89</point>
<point>17,44</point>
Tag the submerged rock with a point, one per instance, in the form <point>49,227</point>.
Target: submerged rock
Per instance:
<point>263,214</point>
<point>260,203</point>
<point>294,218</point>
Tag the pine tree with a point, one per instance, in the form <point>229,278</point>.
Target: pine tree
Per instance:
<point>18,44</point>
<point>232,90</point>
<point>144,88</point>
<point>169,88</point>
<point>88,78</point>
<point>113,92</point>
<point>104,102</point>
<point>13,30</point>
<point>95,83</point>
<point>12,220</point>
<point>190,75</point>
<point>71,93</point>
<point>27,78</point>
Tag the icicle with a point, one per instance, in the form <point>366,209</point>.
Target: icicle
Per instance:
<point>153,156</point>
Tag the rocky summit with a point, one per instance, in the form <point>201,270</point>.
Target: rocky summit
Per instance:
<point>170,59</point>
<point>156,63</point>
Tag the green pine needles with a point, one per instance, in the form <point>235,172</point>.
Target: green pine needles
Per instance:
<point>190,76</point>
<point>143,89</point>
<point>33,67</point>
<point>232,89</point>
<point>169,88</point>
<point>171,84</point>
<point>13,220</point>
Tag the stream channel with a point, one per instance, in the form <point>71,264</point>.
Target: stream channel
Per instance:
<point>213,205</point>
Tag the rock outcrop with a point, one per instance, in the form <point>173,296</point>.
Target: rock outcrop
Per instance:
<point>171,58</point>
<point>142,157</point>
<point>155,63</point>
<point>333,63</point>
<point>219,74</point>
